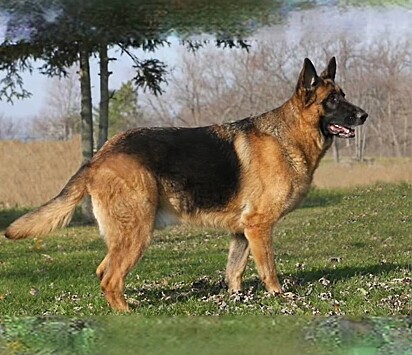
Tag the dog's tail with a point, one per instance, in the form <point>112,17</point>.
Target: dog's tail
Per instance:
<point>54,214</point>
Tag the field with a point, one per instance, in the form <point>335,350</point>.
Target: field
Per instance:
<point>344,260</point>
<point>32,173</point>
<point>346,252</point>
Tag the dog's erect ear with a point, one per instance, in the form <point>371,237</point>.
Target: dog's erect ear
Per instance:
<point>330,71</point>
<point>308,77</point>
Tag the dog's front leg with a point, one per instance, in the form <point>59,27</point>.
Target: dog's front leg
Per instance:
<point>260,243</point>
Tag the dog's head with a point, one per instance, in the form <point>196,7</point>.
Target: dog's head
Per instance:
<point>336,115</point>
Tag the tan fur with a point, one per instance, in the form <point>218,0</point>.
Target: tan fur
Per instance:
<point>54,214</point>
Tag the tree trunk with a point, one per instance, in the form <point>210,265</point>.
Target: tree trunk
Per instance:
<point>335,151</point>
<point>363,142</point>
<point>86,123</point>
<point>360,143</point>
<point>391,120</point>
<point>104,95</point>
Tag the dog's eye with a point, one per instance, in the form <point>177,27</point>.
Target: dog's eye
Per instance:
<point>333,99</point>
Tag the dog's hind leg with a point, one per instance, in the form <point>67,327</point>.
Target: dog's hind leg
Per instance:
<point>124,203</point>
<point>122,256</point>
<point>129,226</point>
<point>237,260</point>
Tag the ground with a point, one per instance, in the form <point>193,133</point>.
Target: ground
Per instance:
<point>345,255</point>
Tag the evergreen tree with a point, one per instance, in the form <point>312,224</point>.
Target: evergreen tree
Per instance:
<point>124,112</point>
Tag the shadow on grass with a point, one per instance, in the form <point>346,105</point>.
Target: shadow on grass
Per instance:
<point>206,287</point>
<point>347,272</point>
<point>9,215</point>
<point>158,293</point>
<point>322,198</point>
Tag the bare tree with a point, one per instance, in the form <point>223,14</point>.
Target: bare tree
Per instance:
<point>218,86</point>
<point>60,118</point>
<point>9,129</point>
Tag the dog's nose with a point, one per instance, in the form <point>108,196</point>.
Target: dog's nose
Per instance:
<point>362,116</point>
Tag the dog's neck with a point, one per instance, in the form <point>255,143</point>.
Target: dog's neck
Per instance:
<point>296,124</point>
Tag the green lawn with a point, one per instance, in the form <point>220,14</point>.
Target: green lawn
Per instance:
<point>345,252</point>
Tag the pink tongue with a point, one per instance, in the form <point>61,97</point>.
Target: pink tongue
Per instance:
<point>339,129</point>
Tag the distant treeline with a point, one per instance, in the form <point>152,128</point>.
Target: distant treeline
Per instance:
<point>219,86</point>
<point>216,85</point>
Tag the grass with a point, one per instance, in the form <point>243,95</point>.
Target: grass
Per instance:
<point>135,334</point>
<point>48,335</point>
<point>345,252</point>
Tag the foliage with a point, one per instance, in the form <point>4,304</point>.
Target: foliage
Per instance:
<point>373,335</point>
<point>124,110</point>
<point>259,335</point>
<point>55,31</point>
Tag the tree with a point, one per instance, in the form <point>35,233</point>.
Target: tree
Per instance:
<point>63,32</point>
<point>104,95</point>
<point>60,119</point>
<point>9,129</point>
<point>218,87</point>
<point>124,110</point>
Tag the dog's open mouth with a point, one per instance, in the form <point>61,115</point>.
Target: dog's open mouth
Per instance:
<point>341,131</point>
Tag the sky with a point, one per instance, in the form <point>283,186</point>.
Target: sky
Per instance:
<point>38,84</point>
<point>362,23</point>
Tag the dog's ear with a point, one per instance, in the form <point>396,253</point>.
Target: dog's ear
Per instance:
<point>330,71</point>
<point>308,79</point>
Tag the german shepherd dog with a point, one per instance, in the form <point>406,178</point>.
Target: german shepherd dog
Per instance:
<point>241,176</point>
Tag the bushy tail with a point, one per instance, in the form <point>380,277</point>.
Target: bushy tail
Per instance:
<point>54,214</point>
